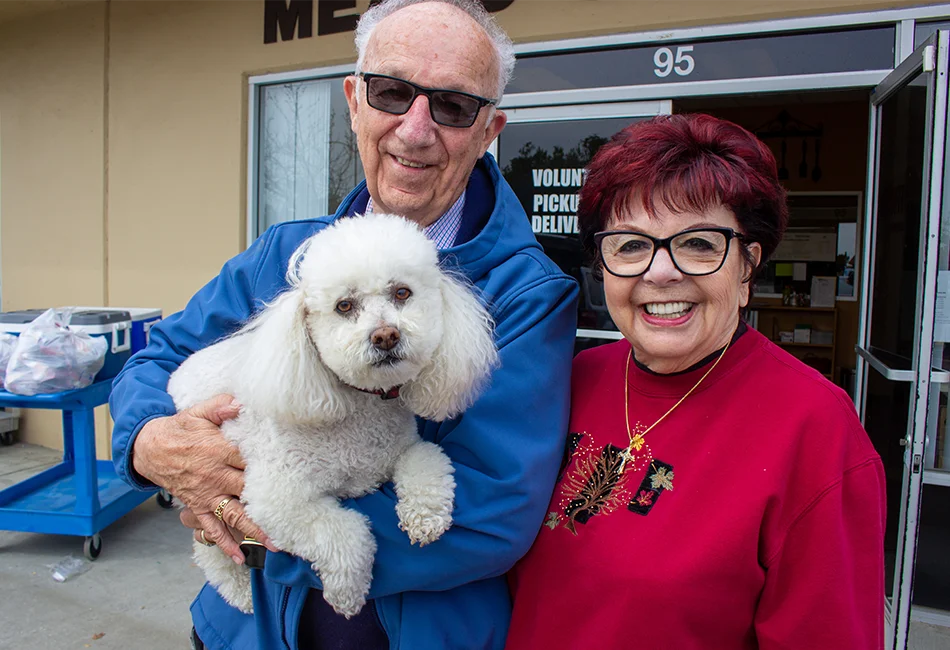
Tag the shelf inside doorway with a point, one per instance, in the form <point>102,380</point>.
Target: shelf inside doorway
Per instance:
<point>787,308</point>
<point>770,319</point>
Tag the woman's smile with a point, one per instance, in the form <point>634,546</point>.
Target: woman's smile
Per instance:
<point>667,313</point>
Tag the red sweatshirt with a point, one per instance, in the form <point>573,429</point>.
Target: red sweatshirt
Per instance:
<point>754,518</point>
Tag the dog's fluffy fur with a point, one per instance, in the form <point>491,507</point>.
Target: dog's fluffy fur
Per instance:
<point>310,438</point>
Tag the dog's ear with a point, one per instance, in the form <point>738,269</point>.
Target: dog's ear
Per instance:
<point>283,374</point>
<point>462,362</point>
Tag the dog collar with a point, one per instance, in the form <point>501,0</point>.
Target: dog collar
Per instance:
<point>392,393</point>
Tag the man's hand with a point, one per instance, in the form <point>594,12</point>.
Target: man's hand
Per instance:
<point>187,455</point>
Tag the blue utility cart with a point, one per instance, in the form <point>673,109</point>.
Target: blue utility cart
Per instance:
<point>81,495</point>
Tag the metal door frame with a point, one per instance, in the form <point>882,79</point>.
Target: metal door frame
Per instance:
<point>931,58</point>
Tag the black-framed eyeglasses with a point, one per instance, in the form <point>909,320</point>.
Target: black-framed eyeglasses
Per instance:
<point>447,107</point>
<point>697,251</point>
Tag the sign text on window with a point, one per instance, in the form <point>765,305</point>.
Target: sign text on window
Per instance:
<point>554,203</point>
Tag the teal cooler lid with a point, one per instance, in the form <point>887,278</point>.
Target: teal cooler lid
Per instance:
<point>85,317</point>
<point>136,313</point>
<point>98,317</point>
<point>20,316</point>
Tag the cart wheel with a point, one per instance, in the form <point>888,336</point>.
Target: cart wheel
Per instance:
<point>92,547</point>
<point>165,500</point>
<point>6,438</point>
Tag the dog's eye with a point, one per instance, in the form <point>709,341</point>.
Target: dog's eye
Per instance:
<point>402,294</point>
<point>344,306</point>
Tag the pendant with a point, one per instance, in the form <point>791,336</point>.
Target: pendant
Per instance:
<point>625,456</point>
<point>636,442</point>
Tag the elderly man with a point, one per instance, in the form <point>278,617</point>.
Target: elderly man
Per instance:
<point>422,108</point>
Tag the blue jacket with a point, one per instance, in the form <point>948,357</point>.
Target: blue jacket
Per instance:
<point>506,448</point>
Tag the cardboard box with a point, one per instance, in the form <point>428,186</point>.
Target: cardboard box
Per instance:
<point>802,334</point>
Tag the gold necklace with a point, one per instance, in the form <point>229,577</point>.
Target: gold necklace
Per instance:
<point>636,440</point>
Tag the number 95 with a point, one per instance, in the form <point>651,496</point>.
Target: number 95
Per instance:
<point>665,63</point>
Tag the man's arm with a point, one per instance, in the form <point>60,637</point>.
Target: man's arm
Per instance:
<point>506,450</point>
<point>185,452</point>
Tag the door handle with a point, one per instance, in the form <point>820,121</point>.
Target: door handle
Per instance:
<point>894,374</point>
<point>937,375</point>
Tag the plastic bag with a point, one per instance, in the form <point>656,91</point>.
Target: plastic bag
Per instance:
<point>7,343</point>
<point>49,357</point>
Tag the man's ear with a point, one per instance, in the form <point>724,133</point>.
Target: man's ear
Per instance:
<point>350,88</point>
<point>493,128</point>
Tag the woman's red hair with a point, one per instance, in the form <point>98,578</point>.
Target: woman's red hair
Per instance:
<point>686,163</point>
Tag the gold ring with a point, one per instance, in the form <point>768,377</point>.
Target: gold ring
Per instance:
<point>203,540</point>
<point>219,511</point>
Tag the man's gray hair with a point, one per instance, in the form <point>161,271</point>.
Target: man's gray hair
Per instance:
<point>504,49</point>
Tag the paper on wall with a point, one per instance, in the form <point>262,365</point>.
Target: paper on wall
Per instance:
<point>942,308</point>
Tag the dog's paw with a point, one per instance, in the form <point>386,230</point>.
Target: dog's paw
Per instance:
<point>424,525</point>
<point>346,605</point>
<point>344,596</point>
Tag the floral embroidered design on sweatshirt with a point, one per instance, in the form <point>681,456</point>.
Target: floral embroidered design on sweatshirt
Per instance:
<point>594,481</point>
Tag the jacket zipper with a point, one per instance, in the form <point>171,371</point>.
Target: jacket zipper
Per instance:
<point>283,617</point>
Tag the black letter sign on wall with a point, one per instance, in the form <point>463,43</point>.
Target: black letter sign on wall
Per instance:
<point>496,5</point>
<point>289,15</point>
<point>327,23</point>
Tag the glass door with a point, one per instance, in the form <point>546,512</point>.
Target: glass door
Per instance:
<point>899,385</point>
<point>542,153</point>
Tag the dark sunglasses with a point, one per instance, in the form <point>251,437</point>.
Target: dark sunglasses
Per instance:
<point>447,107</point>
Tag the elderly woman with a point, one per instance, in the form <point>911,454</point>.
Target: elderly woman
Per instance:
<point>716,492</point>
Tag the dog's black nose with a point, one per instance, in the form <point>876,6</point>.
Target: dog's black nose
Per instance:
<point>384,338</point>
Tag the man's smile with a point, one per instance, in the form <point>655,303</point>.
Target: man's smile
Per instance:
<point>410,163</point>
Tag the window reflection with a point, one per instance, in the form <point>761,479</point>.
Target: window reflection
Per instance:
<point>308,160</point>
<point>294,152</point>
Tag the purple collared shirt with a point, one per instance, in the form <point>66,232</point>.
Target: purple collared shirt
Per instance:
<point>443,231</point>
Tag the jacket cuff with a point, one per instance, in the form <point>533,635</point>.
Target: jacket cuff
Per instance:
<point>132,477</point>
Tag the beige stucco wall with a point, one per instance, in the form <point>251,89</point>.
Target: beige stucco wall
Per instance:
<point>52,241</point>
<point>123,134</point>
<point>533,20</point>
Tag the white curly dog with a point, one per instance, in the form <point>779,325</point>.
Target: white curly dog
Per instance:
<point>369,314</point>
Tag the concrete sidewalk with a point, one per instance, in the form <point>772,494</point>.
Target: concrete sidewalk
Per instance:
<point>135,596</point>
